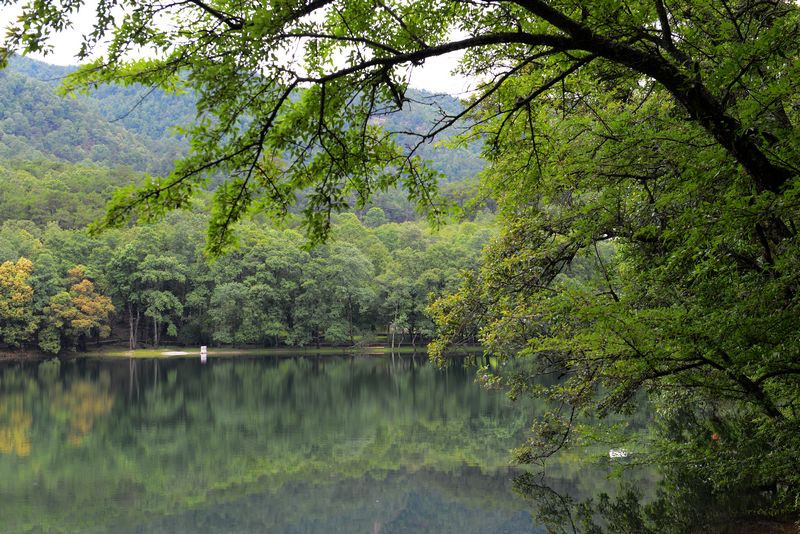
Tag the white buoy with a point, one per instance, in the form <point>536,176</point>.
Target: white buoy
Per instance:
<point>618,453</point>
<point>203,354</point>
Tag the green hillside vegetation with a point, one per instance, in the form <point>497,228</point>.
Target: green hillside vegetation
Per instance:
<point>135,125</point>
<point>418,115</point>
<point>70,195</point>
<point>35,123</point>
<point>62,158</point>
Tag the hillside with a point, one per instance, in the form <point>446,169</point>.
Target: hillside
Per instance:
<point>61,158</point>
<point>35,123</point>
<point>133,125</point>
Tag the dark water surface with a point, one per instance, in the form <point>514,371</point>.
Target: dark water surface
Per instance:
<point>305,444</point>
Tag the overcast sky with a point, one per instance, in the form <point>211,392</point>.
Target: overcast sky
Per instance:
<point>434,75</point>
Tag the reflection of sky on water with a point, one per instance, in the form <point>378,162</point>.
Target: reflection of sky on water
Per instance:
<point>402,501</point>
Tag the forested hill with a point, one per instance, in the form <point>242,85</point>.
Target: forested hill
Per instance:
<point>36,124</point>
<point>132,126</point>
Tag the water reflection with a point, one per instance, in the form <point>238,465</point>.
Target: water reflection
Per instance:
<point>269,444</point>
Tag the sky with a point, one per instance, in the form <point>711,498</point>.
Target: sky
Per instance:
<point>435,75</point>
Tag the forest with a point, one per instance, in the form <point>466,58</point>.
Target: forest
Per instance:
<point>63,289</point>
<point>631,239</point>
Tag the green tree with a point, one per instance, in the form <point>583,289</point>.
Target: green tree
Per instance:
<point>160,281</point>
<point>405,286</point>
<point>46,279</point>
<point>274,271</point>
<point>638,251</point>
<point>375,217</point>
<point>336,291</point>
<point>145,276</point>
<point>123,268</point>
<point>18,239</point>
<point>235,318</point>
<point>57,314</point>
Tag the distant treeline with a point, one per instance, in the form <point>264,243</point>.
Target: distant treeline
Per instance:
<point>73,195</point>
<point>61,289</point>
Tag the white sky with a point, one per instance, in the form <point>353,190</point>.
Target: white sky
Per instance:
<point>435,75</point>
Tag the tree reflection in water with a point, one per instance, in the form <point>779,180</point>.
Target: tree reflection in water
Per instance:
<point>308,444</point>
<point>681,503</point>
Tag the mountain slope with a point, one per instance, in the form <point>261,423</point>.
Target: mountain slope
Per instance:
<point>35,123</point>
<point>133,125</point>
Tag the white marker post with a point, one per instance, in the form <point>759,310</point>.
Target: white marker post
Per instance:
<point>203,354</point>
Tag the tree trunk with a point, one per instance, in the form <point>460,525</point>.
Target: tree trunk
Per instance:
<point>133,325</point>
<point>136,333</point>
<point>350,317</point>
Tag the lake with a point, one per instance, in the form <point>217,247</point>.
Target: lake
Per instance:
<point>267,444</point>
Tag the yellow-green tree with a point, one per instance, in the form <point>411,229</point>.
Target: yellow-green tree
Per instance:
<point>77,315</point>
<point>94,309</point>
<point>17,321</point>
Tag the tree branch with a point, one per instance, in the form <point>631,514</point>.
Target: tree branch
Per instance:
<point>689,91</point>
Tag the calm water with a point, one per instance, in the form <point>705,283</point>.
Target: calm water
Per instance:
<point>258,445</point>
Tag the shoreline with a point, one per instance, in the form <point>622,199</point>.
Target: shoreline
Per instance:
<point>173,352</point>
<point>23,356</point>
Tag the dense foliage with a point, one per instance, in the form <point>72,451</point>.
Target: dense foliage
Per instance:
<point>375,278</point>
<point>45,191</point>
<point>35,123</point>
<point>56,284</point>
<point>639,252</point>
